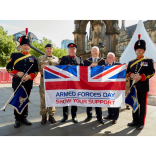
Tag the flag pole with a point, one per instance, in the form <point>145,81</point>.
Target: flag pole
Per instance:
<point>3,109</point>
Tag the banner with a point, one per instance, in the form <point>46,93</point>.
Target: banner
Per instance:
<point>67,85</point>
<point>132,99</point>
<point>20,100</point>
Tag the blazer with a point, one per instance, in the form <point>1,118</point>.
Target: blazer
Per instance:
<point>88,63</point>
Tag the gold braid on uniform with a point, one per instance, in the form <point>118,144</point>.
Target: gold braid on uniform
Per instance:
<point>95,62</point>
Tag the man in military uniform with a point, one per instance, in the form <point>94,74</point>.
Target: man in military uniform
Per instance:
<point>71,59</point>
<point>47,59</point>
<point>140,70</point>
<point>18,65</point>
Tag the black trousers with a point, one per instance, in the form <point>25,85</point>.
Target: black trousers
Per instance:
<point>98,112</point>
<point>73,111</point>
<point>140,115</point>
<point>24,114</point>
<point>113,113</point>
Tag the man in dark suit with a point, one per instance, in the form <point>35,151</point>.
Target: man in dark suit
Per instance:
<point>113,113</point>
<point>146,69</point>
<point>94,61</point>
<point>71,59</point>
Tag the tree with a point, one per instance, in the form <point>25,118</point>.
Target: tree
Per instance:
<point>7,46</point>
<point>58,52</point>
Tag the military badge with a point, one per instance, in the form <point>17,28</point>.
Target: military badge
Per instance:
<point>145,64</point>
<point>31,60</point>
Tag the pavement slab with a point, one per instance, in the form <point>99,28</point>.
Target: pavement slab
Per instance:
<point>91,128</point>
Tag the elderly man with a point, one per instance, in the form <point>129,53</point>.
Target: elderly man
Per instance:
<point>95,60</point>
<point>43,61</point>
<point>71,59</point>
<point>113,113</point>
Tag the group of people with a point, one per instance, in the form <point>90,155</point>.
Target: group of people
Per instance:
<point>19,63</point>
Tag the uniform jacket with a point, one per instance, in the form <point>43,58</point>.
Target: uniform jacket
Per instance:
<point>88,63</point>
<point>22,66</point>
<point>66,60</point>
<point>146,72</point>
<point>45,60</point>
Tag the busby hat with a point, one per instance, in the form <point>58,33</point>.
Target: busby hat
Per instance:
<point>25,39</point>
<point>140,44</point>
<point>72,45</point>
<point>49,45</point>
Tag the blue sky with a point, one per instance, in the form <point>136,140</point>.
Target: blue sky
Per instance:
<point>56,30</point>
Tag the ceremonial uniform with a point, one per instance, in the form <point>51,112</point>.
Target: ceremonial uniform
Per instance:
<point>71,60</point>
<point>144,67</point>
<point>45,60</point>
<point>21,62</point>
<point>99,61</point>
<point>142,86</point>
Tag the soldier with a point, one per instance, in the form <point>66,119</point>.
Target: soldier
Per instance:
<point>95,60</point>
<point>47,59</point>
<point>71,59</point>
<point>18,64</point>
<point>146,71</point>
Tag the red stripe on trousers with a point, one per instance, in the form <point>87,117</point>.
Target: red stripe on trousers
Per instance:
<point>145,108</point>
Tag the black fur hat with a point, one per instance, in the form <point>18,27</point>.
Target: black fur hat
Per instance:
<point>140,44</point>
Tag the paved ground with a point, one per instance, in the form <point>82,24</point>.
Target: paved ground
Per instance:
<point>93,128</point>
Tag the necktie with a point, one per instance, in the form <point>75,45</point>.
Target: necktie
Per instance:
<point>94,59</point>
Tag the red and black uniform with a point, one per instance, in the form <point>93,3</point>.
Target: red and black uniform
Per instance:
<point>146,72</point>
<point>21,62</point>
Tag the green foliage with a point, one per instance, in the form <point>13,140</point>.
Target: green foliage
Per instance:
<point>58,52</point>
<point>7,46</point>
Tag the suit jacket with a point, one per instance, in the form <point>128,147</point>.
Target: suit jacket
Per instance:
<point>66,60</point>
<point>87,63</point>
<point>114,63</point>
<point>147,71</point>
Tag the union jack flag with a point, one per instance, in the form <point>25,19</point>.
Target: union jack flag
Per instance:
<point>67,77</point>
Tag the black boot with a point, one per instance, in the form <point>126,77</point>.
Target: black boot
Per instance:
<point>26,121</point>
<point>64,119</point>
<point>132,124</point>
<point>17,124</point>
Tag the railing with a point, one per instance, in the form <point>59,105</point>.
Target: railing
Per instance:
<point>6,78</point>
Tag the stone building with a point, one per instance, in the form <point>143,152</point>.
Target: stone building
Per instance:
<point>112,37</point>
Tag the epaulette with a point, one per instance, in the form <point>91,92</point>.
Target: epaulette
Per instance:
<point>132,59</point>
<point>147,57</point>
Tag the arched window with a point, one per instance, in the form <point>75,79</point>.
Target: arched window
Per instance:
<point>123,37</point>
<point>120,48</point>
<point>124,47</point>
